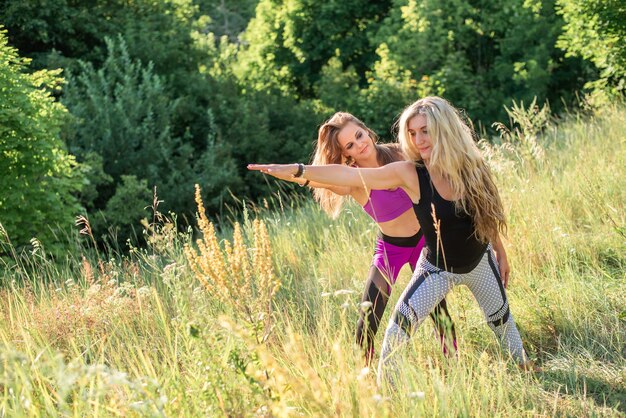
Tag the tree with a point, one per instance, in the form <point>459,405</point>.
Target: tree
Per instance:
<point>289,41</point>
<point>257,125</point>
<point>596,31</point>
<point>122,112</point>
<point>61,33</point>
<point>480,54</point>
<point>38,175</point>
<point>196,90</point>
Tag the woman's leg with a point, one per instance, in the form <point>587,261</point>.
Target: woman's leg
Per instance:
<point>486,286</point>
<point>375,294</point>
<point>386,265</point>
<point>426,289</point>
<point>444,325</point>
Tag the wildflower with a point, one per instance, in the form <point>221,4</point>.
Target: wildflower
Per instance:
<point>417,395</point>
<point>143,291</point>
<point>93,289</point>
<point>367,305</point>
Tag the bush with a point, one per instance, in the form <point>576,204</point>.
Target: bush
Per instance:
<point>38,175</point>
<point>124,115</point>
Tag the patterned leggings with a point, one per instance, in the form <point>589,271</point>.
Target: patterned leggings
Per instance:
<point>428,286</point>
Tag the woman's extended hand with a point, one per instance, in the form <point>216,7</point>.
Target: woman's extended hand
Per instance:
<point>280,171</point>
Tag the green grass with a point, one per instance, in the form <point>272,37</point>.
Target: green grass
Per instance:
<point>137,335</point>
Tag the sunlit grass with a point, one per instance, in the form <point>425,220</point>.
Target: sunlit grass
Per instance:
<point>139,334</point>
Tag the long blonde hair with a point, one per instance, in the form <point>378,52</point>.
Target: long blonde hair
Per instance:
<point>329,151</point>
<point>455,156</point>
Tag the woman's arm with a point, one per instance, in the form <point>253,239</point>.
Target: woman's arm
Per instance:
<point>386,177</point>
<point>503,261</point>
<point>340,190</point>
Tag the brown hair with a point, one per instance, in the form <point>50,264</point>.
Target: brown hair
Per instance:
<point>329,151</point>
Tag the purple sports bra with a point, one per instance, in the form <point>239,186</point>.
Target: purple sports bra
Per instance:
<point>386,205</point>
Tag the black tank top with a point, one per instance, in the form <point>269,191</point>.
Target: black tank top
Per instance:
<point>459,250</point>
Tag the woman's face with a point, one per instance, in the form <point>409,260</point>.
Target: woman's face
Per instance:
<point>355,142</point>
<point>418,132</point>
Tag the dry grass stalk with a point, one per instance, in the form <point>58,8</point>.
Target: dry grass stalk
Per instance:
<point>437,225</point>
<point>232,275</point>
<point>76,313</point>
<point>87,270</point>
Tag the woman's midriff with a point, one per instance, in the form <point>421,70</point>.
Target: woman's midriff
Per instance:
<point>405,225</point>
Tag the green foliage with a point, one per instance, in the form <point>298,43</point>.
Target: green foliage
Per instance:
<point>94,177</point>
<point>596,31</point>
<point>337,88</point>
<point>266,127</point>
<point>373,60</point>
<point>38,176</point>
<point>217,171</point>
<point>479,56</point>
<point>199,88</point>
<point>227,17</point>
<point>125,209</point>
<point>60,33</point>
<point>290,41</point>
<point>160,108</point>
<point>390,88</point>
<point>50,30</point>
<point>258,125</point>
<point>57,30</point>
<point>124,115</point>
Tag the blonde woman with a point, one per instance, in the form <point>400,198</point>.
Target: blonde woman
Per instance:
<point>458,206</point>
<point>344,139</point>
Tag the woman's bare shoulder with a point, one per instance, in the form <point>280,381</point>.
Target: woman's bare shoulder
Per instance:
<point>410,183</point>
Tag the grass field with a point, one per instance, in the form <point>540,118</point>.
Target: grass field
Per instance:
<point>262,325</point>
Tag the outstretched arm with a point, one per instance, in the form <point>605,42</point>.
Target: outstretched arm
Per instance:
<point>386,177</point>
<point>340,190</point>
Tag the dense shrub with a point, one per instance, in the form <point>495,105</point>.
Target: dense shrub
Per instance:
<point>37,174</point>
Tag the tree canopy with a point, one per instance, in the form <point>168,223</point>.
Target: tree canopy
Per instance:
<point>168,93</point>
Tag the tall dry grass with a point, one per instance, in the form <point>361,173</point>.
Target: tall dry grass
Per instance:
<point>257,318</point>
